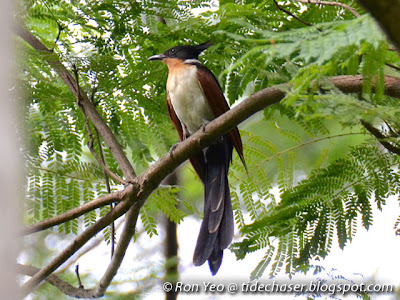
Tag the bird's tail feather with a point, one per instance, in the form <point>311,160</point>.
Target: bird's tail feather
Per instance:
<point>216,231</point>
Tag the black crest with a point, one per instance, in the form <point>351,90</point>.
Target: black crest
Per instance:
<point>187,52</point>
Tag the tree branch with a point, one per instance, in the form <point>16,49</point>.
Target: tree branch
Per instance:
<point>70,290</point>
<point>119,254</point>
<point>77,212</point>
<point>60,284</point>
<point>386,13</point>
<point>102,164</point>
<point>100,160</point>
<point>353,84</point>
<point>393,66</point>
<point>82,238</point>
<point>94,242</point>
<point>81,96</point>
<point>290,14</point>
<point>380,137</point>
<point>78,276</point>
<point>106,179</point>
<point>331,3</point>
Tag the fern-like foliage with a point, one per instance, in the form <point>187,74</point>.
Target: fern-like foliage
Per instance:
<point>313,169</point>
<point>339,188</point>
<point>61,172</point>
<point>300,55</point>
<point>329,201</point>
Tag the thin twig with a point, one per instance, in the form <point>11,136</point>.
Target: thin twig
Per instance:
<point>393,66</point>
<point>324,138</point>
<point>100,159</point>
<point>106,179</point>
<point>94,242</point>
<point>79,277</point>
<point>105,131</point>
<point>392,133</point>
<point>331,3</point>
<point>104,167</point>
<point>290,14</point>
<point>380,137</point>
<point>60,27</point>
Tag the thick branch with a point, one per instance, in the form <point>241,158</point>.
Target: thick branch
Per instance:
<point>119,254</point>
<point>386,13</point>
<point>331,3</point>
<point>88,106</point>
<point>77,212</point>
<point>60,284</point>
<point>353,84</point>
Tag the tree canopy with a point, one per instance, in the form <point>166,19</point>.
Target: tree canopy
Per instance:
<point>316,81</point>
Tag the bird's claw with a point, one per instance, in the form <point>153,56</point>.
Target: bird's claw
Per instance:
<point>203,127</point>
<point>172,149</point>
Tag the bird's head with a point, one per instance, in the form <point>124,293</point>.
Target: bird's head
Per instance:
<point>182,52</point>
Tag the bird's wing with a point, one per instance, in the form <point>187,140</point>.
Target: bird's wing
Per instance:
<point>197,161</point>
<point>174,118</point>
<point>218,104</point>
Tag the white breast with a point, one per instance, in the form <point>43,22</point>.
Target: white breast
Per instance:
<point>188,99</point>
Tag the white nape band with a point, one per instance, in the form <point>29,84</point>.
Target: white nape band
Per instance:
<point>191,61</point>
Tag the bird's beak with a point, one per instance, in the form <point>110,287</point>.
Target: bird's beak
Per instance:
<point>157,57</point>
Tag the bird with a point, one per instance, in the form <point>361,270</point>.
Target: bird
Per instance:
<point>194,98</point>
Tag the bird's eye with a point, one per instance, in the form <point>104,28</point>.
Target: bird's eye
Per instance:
<point>172,51</point>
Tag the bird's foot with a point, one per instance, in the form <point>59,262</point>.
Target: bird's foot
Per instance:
<point>203,129</point>
<point>203,126</point>
<point>172,149</point>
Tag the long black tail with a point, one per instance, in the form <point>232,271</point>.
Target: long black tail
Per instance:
<point>216,231</point>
